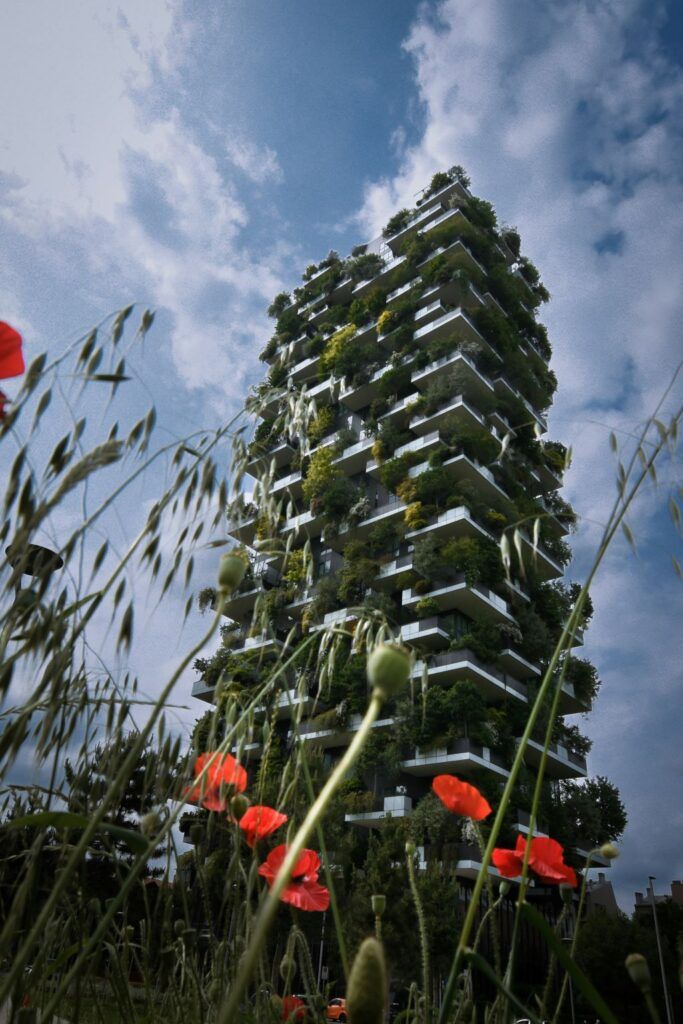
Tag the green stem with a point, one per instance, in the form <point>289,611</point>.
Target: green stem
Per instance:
<point>231,1007</point>
<point>575,936</point>
<point>424,939</point>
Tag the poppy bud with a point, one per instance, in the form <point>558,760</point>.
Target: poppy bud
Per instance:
<point>287,968</point>
<point>609,851</point>
<point>410,848</point>
<point>150,824</point>
<point>366,993</point>
<point>388,669</point>
<point>379,905</point>
<point>179,927</point>
<point>239,806</point>
<point>504,887</point>
<point>638,969</point>
<point>231,570</point>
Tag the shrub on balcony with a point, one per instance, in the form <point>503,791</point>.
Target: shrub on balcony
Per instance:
<point>477,444</point>
<point>383,539</point>
<point>426,608</point>
<point>450,713</point>
<point>321,425</point>
<point>359,314</point>
<point>397,223</point>
<point>395,381</point>
<point>269,349</point>
<point>348,356</point>
<point>481,213</point>
<point>376,300</point>
<point>439,181</point>
<point>365,267</point>
<point>389,438</point>
<point>279,304</point>
<point>357,573</point>
<point>395,470</point>
<point>414,516</point>
<point>478,558</point>
<point>320,475</point>
<point>584,678</point>
<point>416,249</point>
<point>385,322</point>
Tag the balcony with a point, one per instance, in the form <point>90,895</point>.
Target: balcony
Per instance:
<point>305,370</point>
<point>307,523</point>
<point>202,691</point>
<point>545,566</point>
<point>475,600</point>
<point>290,484</point>
<point>518,666</point>
<point>569,701</point>
<point>452,666</point>
<point>456,255</point>
<point>456,409</point>
<point>477,383</point>
<point>420,444</point>
<point>289,704</point>
<point>459,757</point>
<point>241,602</point>
<point>431,311</point>
<point>391,512</point>
<point>354,458</point>
<point>426,634</point>
<point>380,280</point>
<point>560,763</point>
<point>454,522</point>
<point>463,468</point>
<point>338,618</point>
<point>504,388</point>
<point>455,325</point>
<point>243,530</point>
<point>416,223</point>
<point>357,396</point>
<point>388,807</point>
<point>281,455</point>
<point>454,188</point>
<point>263,645</point>
<point>337,735</point>
<point>400,410</point>
<point>296,608</point>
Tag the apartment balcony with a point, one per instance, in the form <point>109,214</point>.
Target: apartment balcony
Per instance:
<point>391,512</point>
<point>417,223</point>
<point>545,566</point>
<point>388,807</point>
<point>454,293</point>
<point>357,396</point>
<point>381,280</point>
<point>281,455</point>
<point>518,666</point>
<point>390,572</point>
<point>461,467</point>
<point>451,666</point>
<point>560,764</point>
<point>340,617</point>
<point>309,524</point>
<point>558,527</point>
<point>270,403</point>
<point>455,325</point>
<point>290,484</point>
<point>354,458</point>
<point>430,312</point>
<point>305,370</point>
<point>425,634</point>
<point>400,410</point>
<point>240,604</point>
<point>337,736</point>
<point>477,384</point>
<point>400,292</point>
<point>569,701</point>
<point>457,409</point>
<point>264,645</point>
<point>296,608</point>
<point>454,188</point>
<point>476,601</point>
<point>459,757</point>
<point>549,479</point>
<point>454,522</point>
<point>456,255</point>
<point>506,390</point>
<point>425,445</point>
<point>324,390</point>
<point>243,530</point>
<point>203,691</point>
<point>289,704</point>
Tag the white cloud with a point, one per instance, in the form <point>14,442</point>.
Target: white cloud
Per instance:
<point>260,163</point>
<point>573,137</point>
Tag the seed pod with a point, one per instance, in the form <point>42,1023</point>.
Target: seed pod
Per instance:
<point>179,927</point>
<point>388,669</point>
<point>150,824</point>
<point>231,570</point>
<point>609,851</point>
<point>367,985</point>
<point>238,806</point>
<point>637,967</point>
<point>379,905</point>
<point>504,887</point>
<point>287,968</point>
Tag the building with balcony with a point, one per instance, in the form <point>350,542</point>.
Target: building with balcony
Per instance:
<point>399,437</point>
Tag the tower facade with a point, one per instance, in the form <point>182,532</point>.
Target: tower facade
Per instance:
<point>404,484</point>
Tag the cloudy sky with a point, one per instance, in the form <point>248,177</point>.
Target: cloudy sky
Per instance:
<point>195,158</point>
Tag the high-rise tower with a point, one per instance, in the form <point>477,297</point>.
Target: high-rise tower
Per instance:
<point>401,461</point>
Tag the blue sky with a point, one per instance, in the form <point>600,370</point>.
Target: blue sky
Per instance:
<point>196,157</point>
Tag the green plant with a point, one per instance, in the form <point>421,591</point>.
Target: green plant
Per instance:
<point>396,223</point>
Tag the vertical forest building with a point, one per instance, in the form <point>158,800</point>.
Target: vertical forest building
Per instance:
<point>404,483</point>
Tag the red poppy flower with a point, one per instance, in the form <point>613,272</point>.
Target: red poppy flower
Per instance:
<point>11,359</point>
<point>293,1008</point>
<point>222,772</point>
<point>303,890</point>
<point>257,822</point>
<point>546,859</point>
<point>461,798</point>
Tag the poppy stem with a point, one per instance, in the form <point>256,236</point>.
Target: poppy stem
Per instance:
<point>231,1007</point>
<point>424,940</point>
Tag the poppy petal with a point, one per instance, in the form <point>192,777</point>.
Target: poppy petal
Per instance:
<point>461,798</point>
<point>306,896</point>
<point>11,358</point>
<point>508,862</point>
<point>259,821</point>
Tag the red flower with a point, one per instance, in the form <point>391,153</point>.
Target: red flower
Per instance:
<point>546,859</point>
<point>461,798</point>
<point>211,791</point>
<point>257,822</point>
<point>303,890</point>
<point>11,359</point>
<point>293,1008</point>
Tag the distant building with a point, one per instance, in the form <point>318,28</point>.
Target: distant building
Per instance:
<point>600,897</point>
<point>644,903</point>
